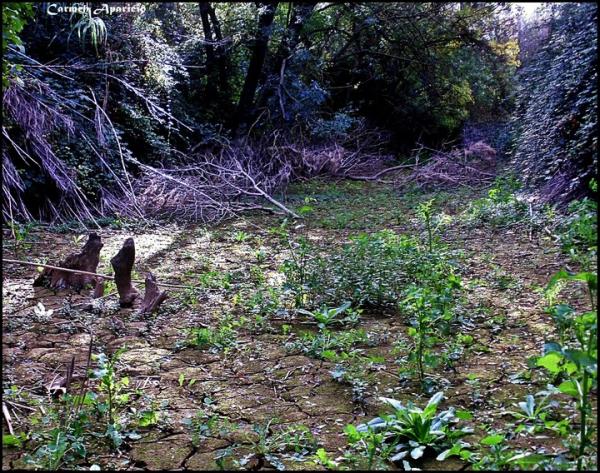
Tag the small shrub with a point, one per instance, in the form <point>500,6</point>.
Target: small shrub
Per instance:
<point>409,432</point>
<point>578,232</point>
<point>501,207</point>
<point>222,338</point>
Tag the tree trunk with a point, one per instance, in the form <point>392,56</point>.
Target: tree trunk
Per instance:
<point>87,260</point>
<point>208,46</point>
<point>259,52</point>
<point>210,51</point>
<point>299,15</point>
<point>122,263</point>
<point>222,61</point>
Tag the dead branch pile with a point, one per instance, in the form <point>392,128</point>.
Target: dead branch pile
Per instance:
<point>472,166</point>
<point>332,160</point>
<point>208,187</point>
<point>213,186</point>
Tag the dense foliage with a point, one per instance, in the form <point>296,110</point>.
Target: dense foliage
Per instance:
<point>102,93</point>
<point>556,119</point>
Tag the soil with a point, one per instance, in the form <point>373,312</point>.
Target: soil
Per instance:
<point>258,381</point>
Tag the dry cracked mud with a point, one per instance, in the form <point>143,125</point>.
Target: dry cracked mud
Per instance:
<point>259,380</point>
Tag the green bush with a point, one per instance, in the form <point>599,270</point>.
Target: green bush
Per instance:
<point>501,207</point>
<point>578,233</point>
<point>371,271</point>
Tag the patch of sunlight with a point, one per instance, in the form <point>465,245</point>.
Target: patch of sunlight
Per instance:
<point>16,295</point>
<point>146,245</point>
<point>275,278</point>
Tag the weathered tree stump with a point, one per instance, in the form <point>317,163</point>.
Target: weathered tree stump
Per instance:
<point>153,297</point>
<point>87,260</point>
<point>122,263</point>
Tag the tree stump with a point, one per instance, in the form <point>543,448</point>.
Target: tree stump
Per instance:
<point>87,260</point>
<point>153,297</point>
<point>99,289</point>
<point>122,263</point>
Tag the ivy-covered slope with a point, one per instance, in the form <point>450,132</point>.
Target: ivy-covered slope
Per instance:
<point>557,112</point>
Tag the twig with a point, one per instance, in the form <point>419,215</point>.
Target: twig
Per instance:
<point>16,404</point>
<point>85,376</point>
<point>7,419</point>
<point>104,276</point>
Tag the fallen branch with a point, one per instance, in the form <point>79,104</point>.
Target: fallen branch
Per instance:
<point>104,276</point>
<point>374,177</point>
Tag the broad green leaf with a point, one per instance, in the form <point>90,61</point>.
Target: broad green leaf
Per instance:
<point>580,358</point>
<point>148,418</point>
<point>392,402</point>
<point>551,362</point>
<point>549,347</point>
<point>527,459</point>
<point>569,387</point>
<point>399,456</point>
<point>9,440</point>
<point>435,399</point>
<point>492,439</point>
<point>353,433</point>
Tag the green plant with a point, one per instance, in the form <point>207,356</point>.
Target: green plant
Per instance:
<point>113,387</point>
<point>578,231</point>
<point>352,371</point>
<point>264,302</point>
<point>285,329</point>
<point>260,255</point>
<point>532,413</point>
<point>323,458</point>
<point>501,207</point>
<point>14,18</point>
<point>297,271</point>
<point>307,209</point>
<point>215,280</point>
<point>206,423</point>
<point>425,211</point>
<point>94,25</point>
<point>63,446</point>
<point>500,457</point>
<point>272,444</point>
<point>329,346</point>
<point>241,236</point>
<point>62,435</point>
<point>369,271</point>
<point>222,338</point>
<point>326,317</point>
<point>281,230</point>
<point>20,232</point>
<point>410,431</point>
<point>431,312</point>
<point>575,358</point>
